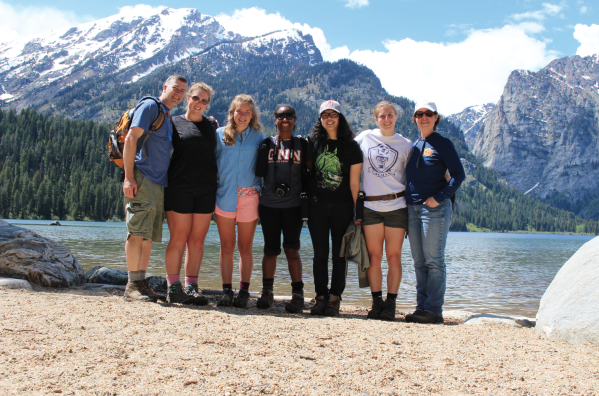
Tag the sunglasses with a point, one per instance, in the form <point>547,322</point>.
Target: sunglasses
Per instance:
<point>427,113</point>
<point>285,116</point>
<point>197,99</point>
<point>332,115</point>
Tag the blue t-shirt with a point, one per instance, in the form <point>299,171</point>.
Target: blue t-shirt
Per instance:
<point>431,158</point>
<point>154,164</point>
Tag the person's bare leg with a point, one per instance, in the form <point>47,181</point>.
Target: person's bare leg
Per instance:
<point>226,231</point>
<point>375,235</point>
<point>393,243</point>
<point>294,262</point>
<point>179,225</point>
<point>269,266</point>
<point>246,231</point>
<point>137,252</point>
<point>195,243</point>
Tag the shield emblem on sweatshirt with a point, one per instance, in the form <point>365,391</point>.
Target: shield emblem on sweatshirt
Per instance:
<point>382,158</point>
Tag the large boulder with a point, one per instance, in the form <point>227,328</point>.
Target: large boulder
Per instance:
<point>569,309</point>
<point>106,275</point>
<point>27,255</point>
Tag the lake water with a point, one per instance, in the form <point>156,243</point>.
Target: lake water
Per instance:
<point>486,272</point>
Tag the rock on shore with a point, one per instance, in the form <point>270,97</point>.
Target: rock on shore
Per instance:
<point>27,255</point>
<point>569,309</point>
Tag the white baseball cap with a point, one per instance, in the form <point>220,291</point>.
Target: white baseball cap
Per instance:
<point>425,104</point>
<point>330,105</point>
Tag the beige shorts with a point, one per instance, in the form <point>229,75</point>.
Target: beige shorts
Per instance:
<point>145,212</point>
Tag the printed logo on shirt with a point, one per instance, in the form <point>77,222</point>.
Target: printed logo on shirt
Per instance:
<point>328,170</point>
<point>382,158</point>
<point>428,152</point>
<point>283,155</point>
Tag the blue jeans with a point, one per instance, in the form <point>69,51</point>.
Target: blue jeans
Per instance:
<point>428,228</point>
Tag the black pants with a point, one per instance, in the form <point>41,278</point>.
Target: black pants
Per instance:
<point>273,221</point>
<point>335,217</point>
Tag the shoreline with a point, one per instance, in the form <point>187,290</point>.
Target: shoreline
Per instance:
<point>77,342</point>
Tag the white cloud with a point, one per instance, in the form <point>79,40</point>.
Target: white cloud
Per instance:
<point>356,3</point>
<point>143,10</point>
<point>255,21</point>
<point>588,36</point>
<point>584,9</point>
<point>456,75</point>
<point>548,9</point>
<point>26,21</point>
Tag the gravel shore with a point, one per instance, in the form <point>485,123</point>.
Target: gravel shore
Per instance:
<point>78,342</point>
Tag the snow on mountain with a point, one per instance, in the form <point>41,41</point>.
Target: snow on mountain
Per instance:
<point>470,121</point>
<point>131,45</point>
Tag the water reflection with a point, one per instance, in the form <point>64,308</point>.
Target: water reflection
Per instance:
<point>499,273</point>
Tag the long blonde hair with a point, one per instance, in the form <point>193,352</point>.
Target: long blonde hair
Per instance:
<point>231,128</point>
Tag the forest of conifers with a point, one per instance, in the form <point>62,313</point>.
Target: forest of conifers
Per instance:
<point>56,168</point>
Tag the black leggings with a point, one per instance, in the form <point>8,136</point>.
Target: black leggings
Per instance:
<point>273,221</point>
<point>324,217</point>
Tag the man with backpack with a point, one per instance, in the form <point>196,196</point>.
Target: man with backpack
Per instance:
<point>146,157</point>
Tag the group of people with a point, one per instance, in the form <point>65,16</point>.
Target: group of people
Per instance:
<point>238,175</point>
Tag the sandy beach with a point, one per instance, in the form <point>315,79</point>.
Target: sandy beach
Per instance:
<point>79,342</point>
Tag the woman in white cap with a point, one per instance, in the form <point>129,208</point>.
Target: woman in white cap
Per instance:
<point>428,195</point>
<point>385,213</point>
<point>337,162</point>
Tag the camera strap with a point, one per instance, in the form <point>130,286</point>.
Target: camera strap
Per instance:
<point>276,155</point>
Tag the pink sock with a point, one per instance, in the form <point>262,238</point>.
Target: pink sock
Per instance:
<point>170,279</point>
<point>190,279</point>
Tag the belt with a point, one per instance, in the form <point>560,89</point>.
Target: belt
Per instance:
<point>387,197</point>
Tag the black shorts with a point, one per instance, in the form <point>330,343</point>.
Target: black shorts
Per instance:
<point>273,220</point>
<point>189,200</point>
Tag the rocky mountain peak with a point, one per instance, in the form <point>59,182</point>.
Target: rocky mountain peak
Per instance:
<point>470,121</point>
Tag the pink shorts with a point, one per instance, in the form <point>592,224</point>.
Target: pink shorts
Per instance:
<point>247,209</point>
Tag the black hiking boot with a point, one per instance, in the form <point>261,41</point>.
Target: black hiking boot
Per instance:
<point>296,305</point>
<point>198,298</point>
<point>319,306</point>
<point>226,300</point>
<point>410,317</point>
<point>377,307</point>
<point>428,318</point>
<point>241,301</point>
<point>176,294</point>
<point>266,299</point>
<point>388,312</point>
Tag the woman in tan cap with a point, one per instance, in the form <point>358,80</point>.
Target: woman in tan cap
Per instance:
<point>337,162</point>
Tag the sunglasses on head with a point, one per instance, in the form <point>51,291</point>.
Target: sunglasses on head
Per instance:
<point>427,113</point>
<point>197,99</point>
<point>284,116</point>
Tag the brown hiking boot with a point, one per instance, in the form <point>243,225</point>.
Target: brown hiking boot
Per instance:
<point>333,306</point>
<point>320,306</point>
<point>199,299</point>
<point>266,299</point>
<point>297,303</point>
<point>140,291</point>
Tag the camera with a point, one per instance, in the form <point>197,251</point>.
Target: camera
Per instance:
<point>282,189</point>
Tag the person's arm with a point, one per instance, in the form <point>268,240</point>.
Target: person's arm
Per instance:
<point>456,171</point>
<point>129,150</point>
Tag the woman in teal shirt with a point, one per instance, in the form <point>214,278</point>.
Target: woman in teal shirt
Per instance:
<point>237,194</point>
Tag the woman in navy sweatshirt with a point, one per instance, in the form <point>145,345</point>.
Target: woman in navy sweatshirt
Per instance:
<point>428,196</point>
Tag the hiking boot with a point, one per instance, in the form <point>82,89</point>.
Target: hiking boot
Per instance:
<point>198,299</point>
<point>176,294</point>
<point>377,307</point>
<point>139,291</point>
<point>297,303</point>
<point>319,306</point>
<point>388,312</point>
<point>333,306</point>
<point>226,299</point>
<point>428,318</point>
<point>241,301</point>
<point>266,299</point>
<point>410,317</point>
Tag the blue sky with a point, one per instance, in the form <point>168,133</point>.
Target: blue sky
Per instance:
<point>456,52</point>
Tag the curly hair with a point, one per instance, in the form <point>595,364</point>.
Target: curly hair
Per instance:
<point>231,128</point>
<point>319,135</point>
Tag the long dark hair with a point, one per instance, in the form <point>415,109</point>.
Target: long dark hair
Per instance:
<point>319,135</point>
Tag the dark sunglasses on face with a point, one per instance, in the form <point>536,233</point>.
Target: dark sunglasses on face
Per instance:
<point>197,99</point>
<point>285,116</point>
<point>332,115</point>
<point>427,113</point>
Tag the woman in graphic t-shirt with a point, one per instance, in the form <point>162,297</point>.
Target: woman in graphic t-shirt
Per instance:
<point>282,164</point>
<point>190,195</point>
<point>337,161</point>
<point>385,212</point>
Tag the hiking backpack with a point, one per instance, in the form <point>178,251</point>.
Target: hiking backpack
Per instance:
<point>116,139</point>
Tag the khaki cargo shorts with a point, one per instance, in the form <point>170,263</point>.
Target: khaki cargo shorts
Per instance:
<point>145,212</point>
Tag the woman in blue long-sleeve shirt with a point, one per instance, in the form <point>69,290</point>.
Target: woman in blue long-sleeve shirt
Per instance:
<point>428,196</point>
<point>237,194</point>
